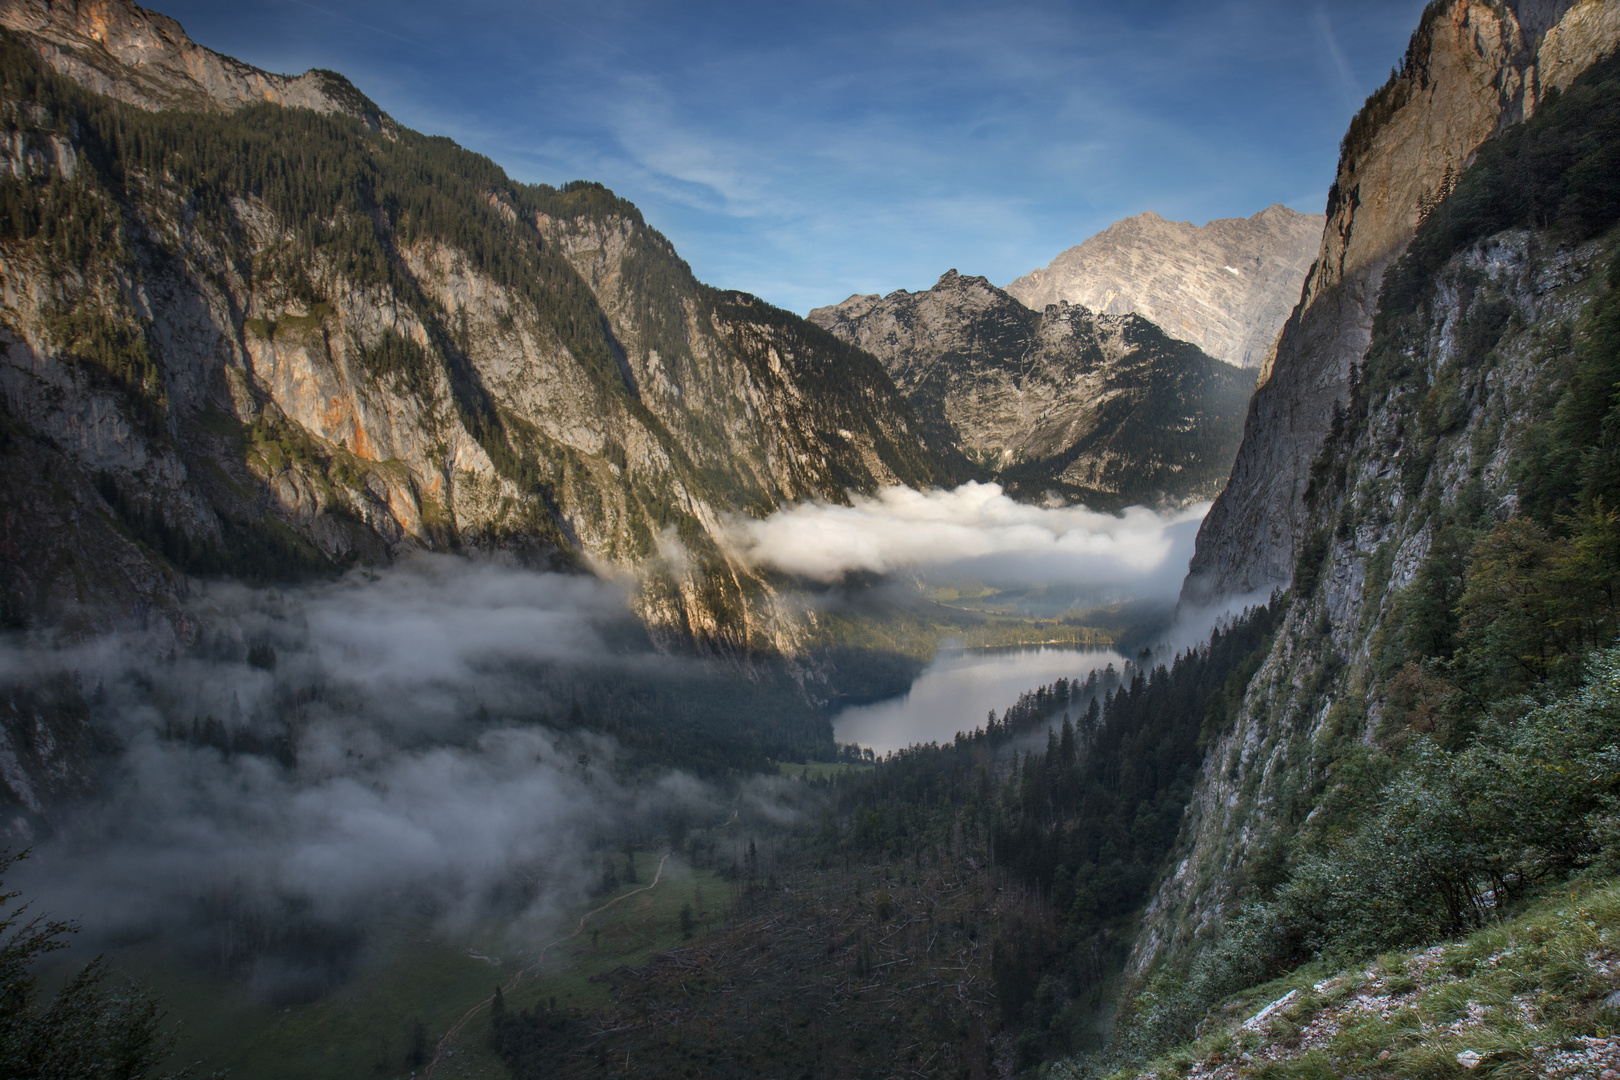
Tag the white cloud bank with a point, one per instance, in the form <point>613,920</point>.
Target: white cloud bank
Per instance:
<point>975,529</point>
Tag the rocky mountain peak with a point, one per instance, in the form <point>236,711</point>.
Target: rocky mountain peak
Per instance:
<point>1226,286</point>
<point>1065,400</point>
<point>145,59</point>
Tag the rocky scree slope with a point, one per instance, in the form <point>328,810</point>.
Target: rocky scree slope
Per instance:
<point>1471,69</point>
<point>263,340</point>
<point>1460,565</point>
<point>1538,995</point>
<point>1226,286</point>
<point>1101,408</point>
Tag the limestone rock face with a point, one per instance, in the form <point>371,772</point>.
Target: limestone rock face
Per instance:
<point>1101,408</point>
<point>1471,69</point>
<point>218,386</point>
<point>1324,686</point>
<point>1227,286</point>
<point>116,48</point>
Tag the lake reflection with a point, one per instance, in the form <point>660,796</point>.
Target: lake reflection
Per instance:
<point>955,691</point>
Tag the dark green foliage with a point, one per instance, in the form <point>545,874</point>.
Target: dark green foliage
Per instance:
<point>532,1041</point>
<point>1574,459</point>
<point>1087,823</point>
<point>1309,567</point>
<point>87,1031</point>
<point>401,363</point>
<point>258,551</point>
<point>1459,835</point>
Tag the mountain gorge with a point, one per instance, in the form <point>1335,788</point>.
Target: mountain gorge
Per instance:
<point>1226,286</point>
<point>1104,409</point>
<point>256,333</point>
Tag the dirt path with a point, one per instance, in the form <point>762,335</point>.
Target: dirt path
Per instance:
<point>455,1029</point>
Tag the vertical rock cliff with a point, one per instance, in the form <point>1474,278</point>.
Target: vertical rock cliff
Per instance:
<point>1471,69</point>
<point>1435,421</point>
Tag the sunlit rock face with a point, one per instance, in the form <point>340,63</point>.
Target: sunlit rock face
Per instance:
<point>146,59</point>
<point>236,397</point>
<point>1227,286</point>
<point>1106,409</point>
<point>1471,69</point>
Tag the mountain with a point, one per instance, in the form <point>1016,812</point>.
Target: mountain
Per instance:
<point>1227,286</point>
<point>1101,408</point>
<point>1470,71</point>
<point>254,327</point>
<point>1448,538</point>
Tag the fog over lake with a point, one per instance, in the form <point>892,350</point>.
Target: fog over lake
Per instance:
<point>958,688</point>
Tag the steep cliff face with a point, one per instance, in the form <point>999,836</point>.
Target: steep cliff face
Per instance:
<point>1227,286</point>
<point>1458,548</point>
<point>1471,69</point>
<point>146,59</point>
<point>219,361</point>
<point>1101,408</point>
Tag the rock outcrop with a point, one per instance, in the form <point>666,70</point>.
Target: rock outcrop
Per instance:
<point>1105,409</point>
<point>146,59</point>
<point>1227,286</point>
<point>1471,69</point>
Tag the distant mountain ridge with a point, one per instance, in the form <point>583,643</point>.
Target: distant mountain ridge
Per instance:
<point>1106,409</point>
<point>1227,286</point>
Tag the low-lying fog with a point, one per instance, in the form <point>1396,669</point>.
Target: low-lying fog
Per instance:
<point>977,531</point>
<point>396,738</point>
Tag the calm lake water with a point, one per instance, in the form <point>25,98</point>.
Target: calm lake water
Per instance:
<point>955,691</point>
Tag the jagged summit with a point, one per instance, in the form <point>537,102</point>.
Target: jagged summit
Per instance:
<point>1226,286</point>
<point>140,57</point>
<point>1102,408</point>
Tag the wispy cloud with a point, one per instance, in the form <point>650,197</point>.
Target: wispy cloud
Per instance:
<point>1336,66</point>
<point>805,153</point>
<point>391,748</point>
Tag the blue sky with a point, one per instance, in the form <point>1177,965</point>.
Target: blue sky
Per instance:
<point>805,152</point>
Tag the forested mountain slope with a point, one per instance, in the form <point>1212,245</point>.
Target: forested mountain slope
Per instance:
<point>1106,409</point>
<point>260,338</point>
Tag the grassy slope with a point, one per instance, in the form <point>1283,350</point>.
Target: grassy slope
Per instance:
<point>1527,995</point>
<point>363,1027</point>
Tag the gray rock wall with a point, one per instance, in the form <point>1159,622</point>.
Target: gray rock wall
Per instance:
<point>1472,68</point>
